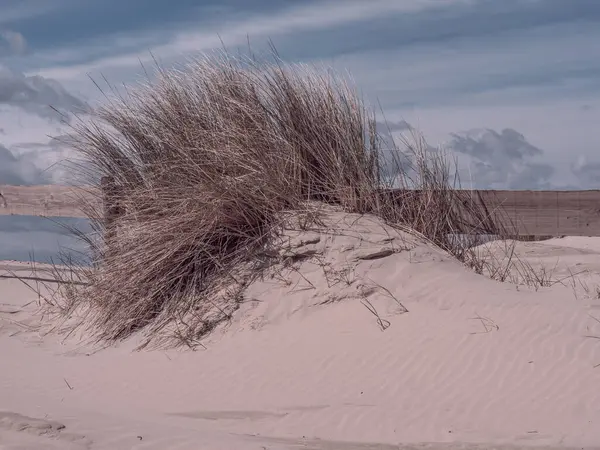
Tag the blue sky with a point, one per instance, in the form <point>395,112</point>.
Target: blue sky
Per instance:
<point>511,86</point>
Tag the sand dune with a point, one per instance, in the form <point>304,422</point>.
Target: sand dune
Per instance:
<point>372,340</point>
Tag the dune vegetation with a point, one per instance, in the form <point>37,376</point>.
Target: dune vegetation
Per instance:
<point>209,161</point>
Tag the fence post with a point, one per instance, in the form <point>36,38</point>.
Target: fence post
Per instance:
<point>112,208</point>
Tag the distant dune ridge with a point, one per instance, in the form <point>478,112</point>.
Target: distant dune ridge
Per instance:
<point>282,297</point>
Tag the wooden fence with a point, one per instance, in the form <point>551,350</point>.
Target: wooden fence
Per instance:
<point>536,213</point>
<point>551,213</point>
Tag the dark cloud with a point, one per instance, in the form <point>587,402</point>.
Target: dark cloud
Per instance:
<point>486,159</point>
<point>489,144</point>
<point>444,22</point>
<point>441,22</point>
<point>500,160</point>
<point>36,94</point>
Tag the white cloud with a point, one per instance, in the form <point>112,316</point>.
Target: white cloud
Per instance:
<point>29,163</point>
<point>53,159</point>
<point>587,172</point>
<point>19,169</point>
<point>34,147</point>
<point>28,155</point>
<point>22,126</point>
<point>12,42</point>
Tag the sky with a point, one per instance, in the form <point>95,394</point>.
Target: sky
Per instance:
<point>511,87</point>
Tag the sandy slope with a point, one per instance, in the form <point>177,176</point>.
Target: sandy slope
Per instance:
<point>571,261</point>
<point>306,365</point>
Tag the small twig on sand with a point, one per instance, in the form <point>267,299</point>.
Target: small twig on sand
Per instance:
<point>384,324</point>
<point>488,325</point>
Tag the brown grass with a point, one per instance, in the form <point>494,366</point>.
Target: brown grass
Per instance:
<point>206,159</point>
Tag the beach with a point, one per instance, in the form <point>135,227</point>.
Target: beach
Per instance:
<point>429,355</point>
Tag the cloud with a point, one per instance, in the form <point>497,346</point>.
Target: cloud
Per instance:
<point>485,158</point>
<point>296,20</point>
<point>32,163</point>
<point>332,29</point>
<point>489,144</point>
<point>392,127</point>
<point>454,58</point>
<point>587,172</point>
<point>25,111</point>
<point>443,65</point>
<point>500,160</point>
<point>54,159</point>
<point>12,42</point>
<point>20,170</point>
<point>36,94</point>
<point>403,149</point>
<point>16,10</point>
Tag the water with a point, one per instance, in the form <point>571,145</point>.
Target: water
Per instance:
<point>27,238</point>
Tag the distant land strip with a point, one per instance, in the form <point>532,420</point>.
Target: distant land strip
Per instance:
<point>536,213</point>
<point>43,200</point>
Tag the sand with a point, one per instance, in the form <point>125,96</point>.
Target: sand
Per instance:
<point>326,357</point>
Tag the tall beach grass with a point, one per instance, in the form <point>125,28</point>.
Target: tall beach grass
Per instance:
<point>204,159</point>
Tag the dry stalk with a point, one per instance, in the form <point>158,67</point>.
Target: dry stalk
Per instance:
<point>383,323</point>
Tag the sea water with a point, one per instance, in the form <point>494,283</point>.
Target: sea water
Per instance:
<point>42,239</point>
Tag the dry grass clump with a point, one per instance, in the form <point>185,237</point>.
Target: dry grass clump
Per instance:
<point>203,162</point>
